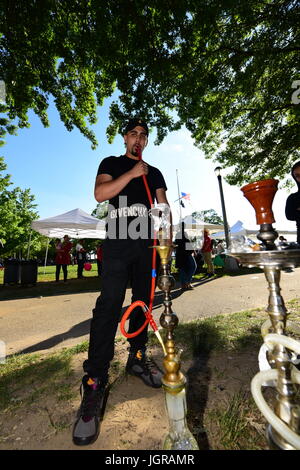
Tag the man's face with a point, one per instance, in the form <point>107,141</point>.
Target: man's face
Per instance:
<point>135,138</point>
<point>296,174</point>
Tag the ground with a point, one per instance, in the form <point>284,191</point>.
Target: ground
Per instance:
<point>135,417</point>
<point>43,396</point>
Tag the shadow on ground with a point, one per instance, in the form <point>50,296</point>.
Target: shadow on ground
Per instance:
<point>90,284</point>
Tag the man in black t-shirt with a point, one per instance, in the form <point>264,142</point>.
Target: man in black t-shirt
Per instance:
<point>126,255</point>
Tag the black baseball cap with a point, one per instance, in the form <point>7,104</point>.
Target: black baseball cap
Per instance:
<point>132,123</point>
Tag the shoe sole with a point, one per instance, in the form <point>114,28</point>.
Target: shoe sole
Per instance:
<point>85,442</point>
<point>133,374</point>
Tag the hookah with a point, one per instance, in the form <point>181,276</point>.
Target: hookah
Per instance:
<point>276,354</point>
<point>174,382</point>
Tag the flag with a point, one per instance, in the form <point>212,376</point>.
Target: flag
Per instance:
<point>185,196</point>
<point>181,203</point>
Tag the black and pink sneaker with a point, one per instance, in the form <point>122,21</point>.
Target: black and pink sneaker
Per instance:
<point>87,426</point>
<point>144,367</point>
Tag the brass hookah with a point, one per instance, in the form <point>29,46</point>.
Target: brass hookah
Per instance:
<point>174,382</point>
<point>173,379</point>
<point>283,431</point>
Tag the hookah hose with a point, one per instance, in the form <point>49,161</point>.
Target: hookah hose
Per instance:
<point>139,303</point>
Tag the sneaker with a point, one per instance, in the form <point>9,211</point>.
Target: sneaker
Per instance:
<point>140,365</point>
<point>87,425</point>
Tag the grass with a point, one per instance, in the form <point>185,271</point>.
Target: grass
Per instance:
<point>26,378</point>
<point>233,423</point>
<point>230,332</point>
<point>46,285</point>
<point>47,273</point>
<point>30,378</point>
<point>238,423</point>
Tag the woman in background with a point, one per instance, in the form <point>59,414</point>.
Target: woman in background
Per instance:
<point>185,260</point>
<point>63,257</point>
<point>207,251</point>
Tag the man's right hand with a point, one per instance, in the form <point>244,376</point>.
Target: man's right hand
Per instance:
<point>106,187</point>
<point>140,169</point>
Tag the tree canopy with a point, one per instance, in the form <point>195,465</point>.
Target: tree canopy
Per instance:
<point>209,216</point>
<point>101,210</point>
<point>227,70</point>
<point>17,211</point>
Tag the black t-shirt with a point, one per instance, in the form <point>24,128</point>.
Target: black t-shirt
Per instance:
<point>291,207</point>
<point>128,212</point>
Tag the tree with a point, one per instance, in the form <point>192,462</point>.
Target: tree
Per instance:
<point>5,126</point>
<point>17,211</point>
<point>209,215</point>
<point>228,71</point>
<point>101,210</point>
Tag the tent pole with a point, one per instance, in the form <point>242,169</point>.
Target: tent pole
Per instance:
<point>46,255</point>
<point>29,243</point>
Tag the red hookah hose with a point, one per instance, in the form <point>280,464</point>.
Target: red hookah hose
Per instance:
<point>139,303</point>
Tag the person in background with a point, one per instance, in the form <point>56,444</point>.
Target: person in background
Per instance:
<point>80,257</point>
<point>185,260</point>
<point>282,241</point>
<point>63,257</point>
<point>292,207</point>
<point>99,258</point>
<point>58,258</point>
<point>207,251</point>
<point>220,248</point>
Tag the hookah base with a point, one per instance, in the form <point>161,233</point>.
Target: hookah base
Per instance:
<point>276,442</point>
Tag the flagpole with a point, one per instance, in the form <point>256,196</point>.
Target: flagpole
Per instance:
<point>179,198</point>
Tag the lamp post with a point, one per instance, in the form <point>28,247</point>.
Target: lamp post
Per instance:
<point>226,229</point>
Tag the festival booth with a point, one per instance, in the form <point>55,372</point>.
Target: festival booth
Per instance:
<point>75,224</point>
<point>238,230</point>
<point>235,230</point>
<point>240,235</point>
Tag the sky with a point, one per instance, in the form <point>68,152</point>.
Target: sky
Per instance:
<point>60,168</point>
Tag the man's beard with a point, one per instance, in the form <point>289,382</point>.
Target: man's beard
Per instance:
<point>136,150</point>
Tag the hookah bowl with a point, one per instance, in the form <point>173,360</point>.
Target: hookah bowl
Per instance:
<point>174,382</point>
<point>284,431</point>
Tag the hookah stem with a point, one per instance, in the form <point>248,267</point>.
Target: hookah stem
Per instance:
<point>147,310</point>
<point>154,243</point>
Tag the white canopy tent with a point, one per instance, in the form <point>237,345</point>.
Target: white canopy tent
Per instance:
<point>235,230</point>
<point>195,224</point>
<point>238,229</point>
<point>75,224</point>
